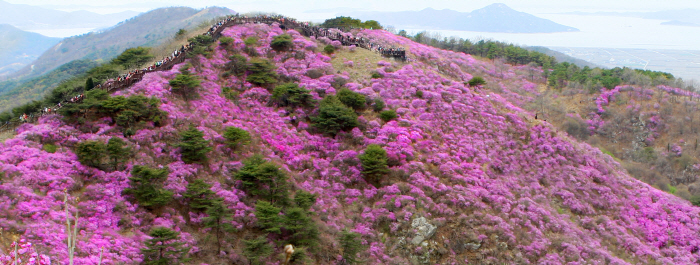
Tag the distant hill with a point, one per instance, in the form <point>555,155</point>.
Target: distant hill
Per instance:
<point>80,53</point>
<point>148,29</point>
<point>20,48</point>
<point>492,18</point>
<point>29,17</point>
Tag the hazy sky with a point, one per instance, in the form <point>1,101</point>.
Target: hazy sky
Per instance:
<point>297,8</point>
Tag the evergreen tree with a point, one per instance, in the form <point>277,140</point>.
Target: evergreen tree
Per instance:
<point>387,115</point>
<point>304,199</point>
<point>164,247</point>
<point>146,186</point>
<point>89,84</point>
<point>200,195</point>
<point>91,153</point>
<point>193,146</point>
<point>351,99</point>
<point>236,137</point>
<point>374,163</point>
<point>291,95</point>
<point>133,57</point>
<point>351,244</point>
<point>237,66</point>
<point>261,72</point>
<point>334,116</point>
<point>268,216</point>
<point>185,85</point>
<point>282,42</point>
<point>255,249</point>
<point>265,179</point>
<point>477,81</point>
<point>219,217</point>
<point>117,150</point>
<point>302,229</point>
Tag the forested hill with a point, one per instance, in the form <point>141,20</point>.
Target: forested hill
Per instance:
<point>266,137</point>
<point>147,29</point>
<point>19,48</point>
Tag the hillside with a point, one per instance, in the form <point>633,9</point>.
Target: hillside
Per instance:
<point>492,18</point>
<point>20,48</point>
<point>466,174</point>
<point>151,29</point>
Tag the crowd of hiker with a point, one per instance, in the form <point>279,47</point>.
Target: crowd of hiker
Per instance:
<point>178,56</point>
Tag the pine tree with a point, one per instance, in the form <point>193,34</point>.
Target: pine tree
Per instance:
<point>164,247</point>
<point>117,150</point>
<point>193,146</point>
<point>265,179</point>
<point>218,218</point>
<point>146,186</point>
<point>302,229</point>
<point>89,84</point>
<point>185,84</point>
<point>351,245</point>
<point>268,217</point>
<point>91,153</point>
<point>256,248</point>
<point>200,195</point>
<point>304,199</point>
<point>235,137</point>
<point>374,163</point>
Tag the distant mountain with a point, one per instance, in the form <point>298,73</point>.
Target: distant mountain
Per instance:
<point>27,17</point>
<point>492,18</point>
<point>148,29</point>
<point>20,48</point>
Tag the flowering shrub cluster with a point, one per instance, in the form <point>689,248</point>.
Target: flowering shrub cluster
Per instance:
<point>511,189</point>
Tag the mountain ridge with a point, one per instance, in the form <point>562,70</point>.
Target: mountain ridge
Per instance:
<point>492,18</point>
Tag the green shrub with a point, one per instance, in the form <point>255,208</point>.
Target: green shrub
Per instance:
<point>374,163</point>
<point>291,95</point>
<point>91,153</point>
<point>671,189</point>
<point>185,85</point>
<point>419,94</point>
<point>376,75</point>
<point>378,105</point>
<point>261,72</point>
<point>145,185</point>
<point>230,94</point>
<point>251,41</point>
<point>282,42</point>
<point>388,115</point>
<point>50,148</point>
<point>695,200</point>
<point>576,128</point>
<point>329,49</point>
<point>225,41</point>
<point>351,244</point>
<point>351,99</point>
<point>235,137</point>
<point>334,116</point>
<point>164,247</point>
<point>256,249</point>
<point>476,81</point>
<point>265,179</point>
<point>193,146</point>
<point>201,45</point>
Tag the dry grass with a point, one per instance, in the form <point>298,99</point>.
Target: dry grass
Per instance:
<point>6,135</point>
<point>365,61</point>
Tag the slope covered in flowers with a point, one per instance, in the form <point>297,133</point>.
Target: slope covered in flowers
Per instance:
<point>500,186</point>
